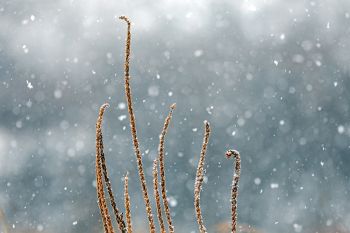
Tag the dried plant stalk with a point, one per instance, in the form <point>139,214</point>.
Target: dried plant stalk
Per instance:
<point>133,128</point>
<point>234,189</point>
<point>3,223</point>
<point>106,219</point>
<point>127,46</point>
<point>199,179</point>
<point>118,215</point>
<point>157,196</point>
<point>162,168</point>
<point>127,204</point>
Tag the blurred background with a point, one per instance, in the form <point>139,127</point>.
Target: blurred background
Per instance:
<point>271,76</point>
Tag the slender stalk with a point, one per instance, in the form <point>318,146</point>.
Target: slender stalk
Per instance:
<point>162,168</point>
<point>234,188</point>
<point>5,227</point>
<point>127,204</point>
<point>118,215</point>
<point>106,219</point>
<point>127,46</point>
<point>157,196</point>
<point>199,179</point>
<point>133,128</point>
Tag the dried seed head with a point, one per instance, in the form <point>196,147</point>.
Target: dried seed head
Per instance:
<point>234,187</point>
<point>199,179</point>
<point>162,168</point>
<point>230,153</point>
<point>125,18</point>
<point>173,106</point>
<point>132,120</point>
<point>106,219</point>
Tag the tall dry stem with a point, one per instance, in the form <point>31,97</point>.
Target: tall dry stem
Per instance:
<point>199,178</point>
<point>157,196</point>
<point>162,168</point>
<point>234,187</point>
<point>118,215</point>
<point>133,127</point>
<point>106,219</point>
<point>127,203</point>
<point>3,223</point>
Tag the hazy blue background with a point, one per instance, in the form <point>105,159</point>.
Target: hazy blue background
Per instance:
<point>272,78</point>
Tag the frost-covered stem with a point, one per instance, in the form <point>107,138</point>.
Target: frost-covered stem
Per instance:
<point>199,179</point>
<point>157,196</point>
<point>106,219</point>
<point>133,129</point>
<point>234,189</point>
<point>127,46</point>
<point>162,167</point>
<point>118,215</point>
<point>127,204</point>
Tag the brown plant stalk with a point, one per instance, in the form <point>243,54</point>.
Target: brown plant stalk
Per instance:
<point>157,196</point>
<point>162,168</point>
<point>118,215</point>
<point>133,127</point>
<point>106,219</point>
<point>127,204</point>
<point>3,223</point>
<point>234,188</point>
<point>199,178</point>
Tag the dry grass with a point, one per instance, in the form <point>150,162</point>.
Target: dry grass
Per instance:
<point>162,167</point>
<point>3,223</point>
<point>106,218</point>
<point>199,179</point>
<point>102,173</point>
<point>127,203</point>
<point>234,189</point>
<point>132,120</point>
<point>157,196</point>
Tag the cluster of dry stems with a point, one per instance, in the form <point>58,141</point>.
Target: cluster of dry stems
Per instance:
<point>160,195</point>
